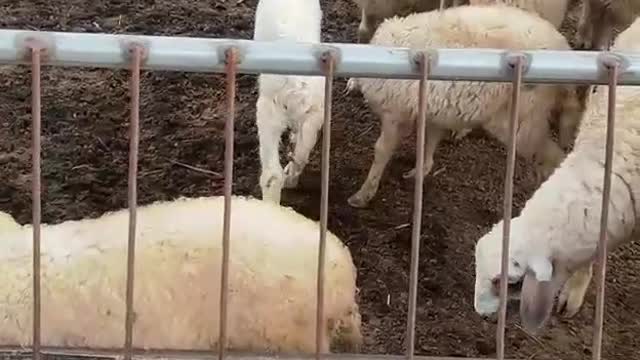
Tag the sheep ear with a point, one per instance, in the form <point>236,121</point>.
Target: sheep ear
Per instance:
<point>537,295</point>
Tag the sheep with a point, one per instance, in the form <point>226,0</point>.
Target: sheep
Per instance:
<point>554,239</point>
<point>272,280</point>
<point>372,12</point>
<point>286,101</point>
<point>599,18</point>
<point>458,105</point>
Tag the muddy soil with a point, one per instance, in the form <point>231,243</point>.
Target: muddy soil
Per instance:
<point>85,155</point>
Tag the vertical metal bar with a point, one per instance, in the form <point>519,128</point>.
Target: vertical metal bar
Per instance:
<point>230,61</point>
<point>134,140</point>
<point>328,64</point>
<point>36,193</point>
<point>424,64</point>
<point>598,326</point>
<point>517,63</point>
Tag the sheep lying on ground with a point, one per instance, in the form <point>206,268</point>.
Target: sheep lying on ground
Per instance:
<point>375,11</point>
<point>461,104</point>
<point>287,101</point>
<point>553,241</point>
<point>272,280</point>
<point>599,18</point>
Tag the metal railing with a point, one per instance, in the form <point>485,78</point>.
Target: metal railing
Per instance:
<point>328,60</point>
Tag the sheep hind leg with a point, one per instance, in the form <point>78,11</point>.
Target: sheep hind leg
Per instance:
<point>433,137</point>
<point>572,295</point>
<point>306,140</point>
<point>383,151</point>
<point>271,123</point>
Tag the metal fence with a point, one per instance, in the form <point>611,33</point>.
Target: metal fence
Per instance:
<point>328,60</point>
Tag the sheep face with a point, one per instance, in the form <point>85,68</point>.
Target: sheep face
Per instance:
<point>7,222</point>
<point>488,268</point>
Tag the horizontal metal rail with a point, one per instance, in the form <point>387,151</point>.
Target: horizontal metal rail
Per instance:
<point>353,60</point>
<point>207,355</point>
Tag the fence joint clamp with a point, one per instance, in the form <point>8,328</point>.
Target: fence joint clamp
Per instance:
<point>129,46</point>
<point>223,48</point>
<point>29,41</point>
<point>325,53</point>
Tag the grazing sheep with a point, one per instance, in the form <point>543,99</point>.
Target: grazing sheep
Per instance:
<point>599,18</point>
<point>287,101</point>
<point>553,241</point>
<point>272,280</point>
<point>462,104</point>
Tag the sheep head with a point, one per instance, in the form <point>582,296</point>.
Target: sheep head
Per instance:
<point>488,268</point>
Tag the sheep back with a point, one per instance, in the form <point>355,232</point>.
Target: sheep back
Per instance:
<point>272,280</point>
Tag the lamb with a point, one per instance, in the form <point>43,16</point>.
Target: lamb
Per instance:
<point>287,101</point>
<point>554,240</point>
<point>272,280</point>
<point>599,18</point>
<point>374,11</point>
<point>459,105</point>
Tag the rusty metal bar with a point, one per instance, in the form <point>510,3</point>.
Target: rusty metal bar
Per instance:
<point>231,59</point>
<point>516,63</point>
<point>424,62</point>
<point>601,259</point>
<point>36,190</point>
<point>136,53</point>
<point>328,63</point>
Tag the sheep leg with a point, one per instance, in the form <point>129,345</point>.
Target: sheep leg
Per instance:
<point>271,123</point>
<point>306,140</point>
<point>433,138</point>
<point>602,32</point>
<point>460,134</point>
<point>364,28</point>
<point>383,151</point>
<point>584,33</point>
<point>351,86</point>
<point>572,295</point>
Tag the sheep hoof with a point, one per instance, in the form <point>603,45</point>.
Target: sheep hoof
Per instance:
<point>569,304</point>
<point>291,175</point>
<point>351,86</point>
<point>459,135</point>
<point>357,201</point>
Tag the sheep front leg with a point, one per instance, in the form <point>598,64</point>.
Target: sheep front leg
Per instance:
<point>271,123</point>
<point>383,151</point>
<point>368,24</point>
<point>572,295</point>
<point>306,140</point>
<point>433,137</point>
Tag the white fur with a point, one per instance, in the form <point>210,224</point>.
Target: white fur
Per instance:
<point>558,229</point>
<point>272,280</point>
<point>286,101</point>
<point>599,18</point>
<point>459,105</point>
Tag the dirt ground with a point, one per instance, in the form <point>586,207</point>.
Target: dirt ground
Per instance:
<point>85,154</point>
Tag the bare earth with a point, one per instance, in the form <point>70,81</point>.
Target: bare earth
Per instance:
<point>85,155</point>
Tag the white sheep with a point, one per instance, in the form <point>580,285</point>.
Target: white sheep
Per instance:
<point>553,240</point>
<point>287,101</point>
<point>461,104</point>
<point>599,18</point>
<point>272,280</point>
<point>372,12</point>
<point>553,11</point>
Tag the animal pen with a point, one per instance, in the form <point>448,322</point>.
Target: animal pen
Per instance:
<point>232,57</point>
